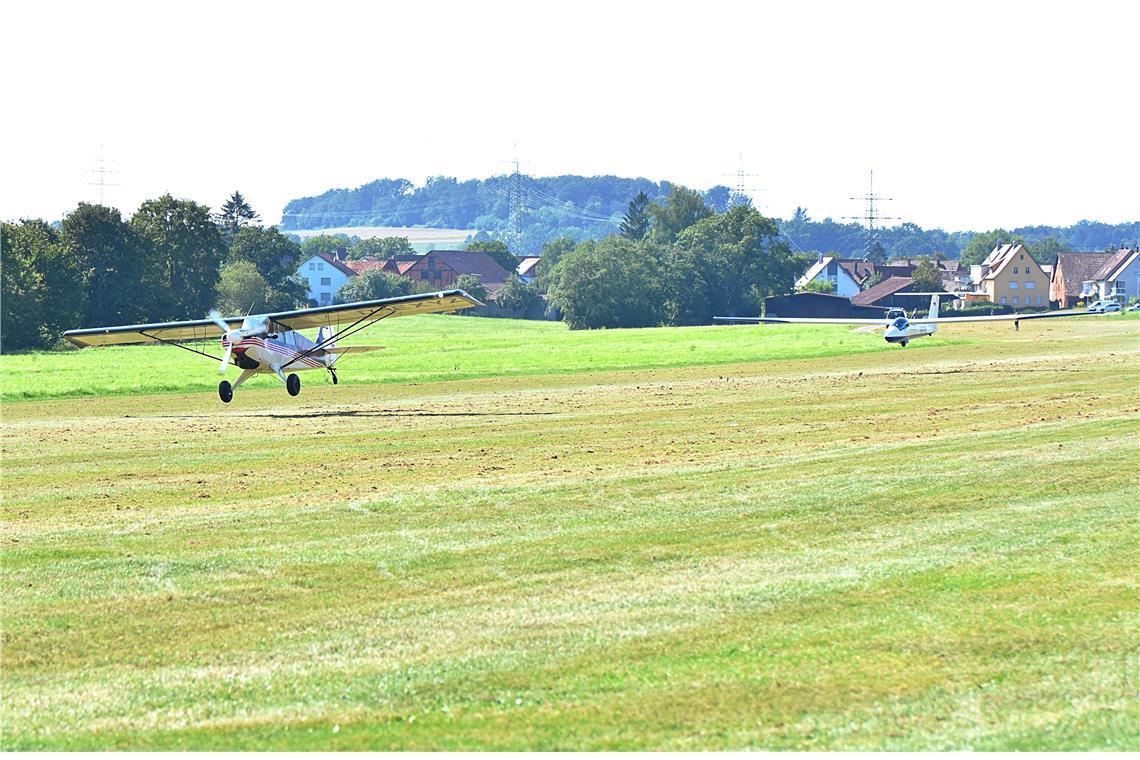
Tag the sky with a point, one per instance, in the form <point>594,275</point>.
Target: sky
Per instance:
<point>972,115</point>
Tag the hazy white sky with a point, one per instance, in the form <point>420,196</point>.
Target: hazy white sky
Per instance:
<point>972,114</point>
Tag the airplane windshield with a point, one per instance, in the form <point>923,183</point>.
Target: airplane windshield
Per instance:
<point>900,323</point>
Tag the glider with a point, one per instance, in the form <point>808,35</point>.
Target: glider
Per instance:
<point>900,329</point>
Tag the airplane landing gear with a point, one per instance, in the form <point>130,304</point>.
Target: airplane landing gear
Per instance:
<point>903,344</point>
<point>225,391</point>
<point>293,384</point>
<point>333,373</point>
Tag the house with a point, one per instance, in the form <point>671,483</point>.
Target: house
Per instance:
<point>1070,272</point>
<point>1009,275</point>
<point>1118,279</point>
<point>324,273</point>
<point>848,275</point>
<point>441,269</point>
<point>528,268</point>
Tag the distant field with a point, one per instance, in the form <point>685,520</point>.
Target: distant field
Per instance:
<point>429,348</point>
<point>421,238</point>
<point>504,535</point>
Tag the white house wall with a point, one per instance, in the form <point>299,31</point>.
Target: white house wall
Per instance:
<point>323,279</point>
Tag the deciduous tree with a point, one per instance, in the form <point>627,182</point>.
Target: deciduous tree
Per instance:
<point>373,284</point>
<point>187,249</point>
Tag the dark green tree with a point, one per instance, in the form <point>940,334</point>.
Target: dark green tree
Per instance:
<point>21,287</point>
<point>242,289</point>
<point>373,284</point>
<point>325,244</point>
<point>115,263</point>
<point>187,250</point>
<point>472,286</point>
<point>276,258</point>
<point>235,214</point>
<point>497,250</point>
<point>636,221</point>
<point>551,253</point>
<point>727,263</point>
<point>518,296</point>
<point>612,283</point>
<point>926,276</point>
<point>682,209</point>
<point>381,248</point>
<point>983,243</point>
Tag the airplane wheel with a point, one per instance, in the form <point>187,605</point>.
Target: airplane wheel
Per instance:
<point>225,391</point>
<point>293,385</point>
<point>904,343</point>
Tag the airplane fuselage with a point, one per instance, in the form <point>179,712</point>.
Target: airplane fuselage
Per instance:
<point>281,352</point>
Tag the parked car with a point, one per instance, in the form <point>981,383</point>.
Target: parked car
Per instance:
<point>1135,306</point>
<point>1103,307</point>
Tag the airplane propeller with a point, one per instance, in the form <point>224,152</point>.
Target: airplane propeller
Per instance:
<point>231,336</point>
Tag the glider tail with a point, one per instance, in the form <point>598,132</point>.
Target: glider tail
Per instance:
<point>933,308</point>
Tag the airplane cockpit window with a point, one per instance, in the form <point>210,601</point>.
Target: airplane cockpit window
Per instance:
<point>900,323</point>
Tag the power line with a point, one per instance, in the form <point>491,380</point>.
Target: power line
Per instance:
<point>740,190</point>
<point>870,216</point>
<point>101,171</point>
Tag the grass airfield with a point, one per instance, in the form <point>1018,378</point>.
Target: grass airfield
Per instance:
<point>699,538</point>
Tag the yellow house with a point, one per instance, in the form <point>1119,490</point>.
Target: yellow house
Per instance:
<point>1009,275</point>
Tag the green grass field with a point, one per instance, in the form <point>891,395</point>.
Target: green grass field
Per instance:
<point>503,535</point>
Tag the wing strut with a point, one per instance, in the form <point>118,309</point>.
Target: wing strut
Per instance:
<point>344,334</point>
<point>179,345</point>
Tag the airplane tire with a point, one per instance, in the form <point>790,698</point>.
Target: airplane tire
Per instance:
<point>904,343</point>
<point>293,385</point>
<point>225,391</point>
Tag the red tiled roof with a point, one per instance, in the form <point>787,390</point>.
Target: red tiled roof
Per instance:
<point>887,287</point>
<point>360,266</point>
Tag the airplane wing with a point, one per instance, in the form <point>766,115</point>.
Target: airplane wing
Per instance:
<point>804,320</point>
<point>158,332</point>
<point>1002,317</point>
<point>364,312</point>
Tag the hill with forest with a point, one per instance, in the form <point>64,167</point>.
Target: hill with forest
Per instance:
<point>590,208</point>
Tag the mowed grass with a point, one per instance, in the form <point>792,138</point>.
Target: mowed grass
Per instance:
<point>430,348</point>
<point>931,549</point>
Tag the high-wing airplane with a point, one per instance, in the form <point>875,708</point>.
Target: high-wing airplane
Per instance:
<point>273,343</point>
<point>900,329</point>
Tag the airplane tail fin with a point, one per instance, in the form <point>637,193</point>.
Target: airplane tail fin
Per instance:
<point>933,308</point>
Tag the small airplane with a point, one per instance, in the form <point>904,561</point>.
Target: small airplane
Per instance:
<point>273,343</point>
<point>901,329</point>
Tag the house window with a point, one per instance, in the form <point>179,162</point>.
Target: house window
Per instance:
<point>326,281</point>
<point>1015,270</point>
<point>1030,284</point>
<point>1028,270</point>
<point>1003,300</point>
<point>325,297</point>
<point>312,265</point>
<point>1015,300</point>
<point>320,265</point>
<point>1038,300</point>
<point>1013,284</point>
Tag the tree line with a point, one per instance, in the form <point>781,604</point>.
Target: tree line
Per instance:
<point>171,260</point>
<point>590,208</point>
